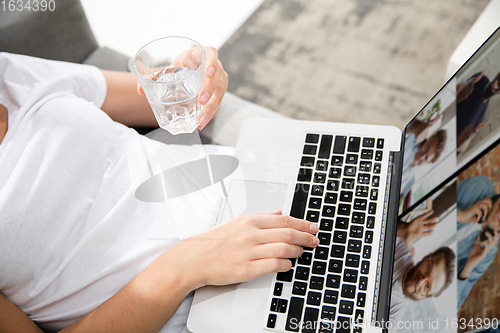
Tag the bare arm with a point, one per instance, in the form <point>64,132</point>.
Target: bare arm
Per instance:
<point>125,101</point>
<point>239,250</point>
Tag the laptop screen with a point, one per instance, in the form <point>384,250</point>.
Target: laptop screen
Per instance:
<point>446,262</point>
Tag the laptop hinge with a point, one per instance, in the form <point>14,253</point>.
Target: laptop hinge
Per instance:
<point>381,300</point>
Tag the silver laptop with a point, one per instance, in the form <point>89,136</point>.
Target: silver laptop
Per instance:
<point>348,179</point>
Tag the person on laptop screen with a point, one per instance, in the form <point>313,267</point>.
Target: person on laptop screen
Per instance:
<point>78,251</point>
<point>473,97</point>
<point>478,231</point>
<point>416,281</point>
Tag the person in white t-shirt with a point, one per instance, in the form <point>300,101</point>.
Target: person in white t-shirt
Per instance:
<point>413,282</point>
<point>79,252</point>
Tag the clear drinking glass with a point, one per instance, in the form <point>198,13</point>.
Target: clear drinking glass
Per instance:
<point>171,72</point>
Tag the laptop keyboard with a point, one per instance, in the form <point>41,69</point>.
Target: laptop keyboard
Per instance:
<point>337,188</point>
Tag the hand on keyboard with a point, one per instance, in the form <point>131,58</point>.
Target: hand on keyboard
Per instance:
<point>245,247</point>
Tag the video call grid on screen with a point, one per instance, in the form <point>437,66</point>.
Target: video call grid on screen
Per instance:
<point>450,181</point>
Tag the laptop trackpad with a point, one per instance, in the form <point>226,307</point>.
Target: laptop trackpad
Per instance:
<point>251,197</point>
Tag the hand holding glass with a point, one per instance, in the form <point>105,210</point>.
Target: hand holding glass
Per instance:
<point>171,72</point>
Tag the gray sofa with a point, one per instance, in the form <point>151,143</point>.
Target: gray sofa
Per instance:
<point>65,34</point>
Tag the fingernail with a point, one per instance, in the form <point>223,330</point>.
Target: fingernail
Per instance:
<point>204,98</point>
<point>313,228</point>
<point>315,240</point>
<point>211,71</point>
<point>204,120</point>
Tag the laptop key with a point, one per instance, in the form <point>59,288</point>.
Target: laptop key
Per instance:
<point>335,173</point>
<point>351,159</point>
<point>310,316</point>
<point>369,237</point>
<point>331,198</point>
<point>352,260</point>
<point>312,216</point>
<point>326,225</point>
<point>324,238</point>
<point>363,283</point>
<point>348,291</point>
<point>322,165</point>
<point>342,223</point>
<point>339,144</point>
<point>299,201</point>
<point>307,161</point>
<point>354,246</point>
<point>365,267</point>
<point>350,275</point>
<point>348,183</point>
<point>375,181</point>
<point>315,203</point>
<point>299,288</point>
<point>346,307</point>
<point>353,145</point>
<point>325,146</point>
<point>359,317</point>
<point>332,185</point>
<point>305,175</point>
<point>372,208</point>
<point>360,303</point>
<point>356,231</point>
<point>319,267</point>
<point>362,191</point>
<point>331,296</point>
<point>319,177</point>
<point>328,312</point>
<point>350,170</point>
<point>360,204</point>
<point>340,237</point>
<point>370,224</point>
<point>302,273</point>
<point>366,154</point>
<point>378,155</point>
<point>316,283</point>
<point>312,138</point>
<point>317,190</point>
<point>337,160</point>
<point>374,194</point>
<point>321,253</point>
<point>313,298</point>
<point>271,321</point>
<point>345,196</point>
<point>333,281</point>
<point>335,266</point>
<point>305,259</point>
<point>367,252</point>
<point>380,143</point>
<point>282,304</point>
<point>294,314</point>
<point>328,211</point>
<point>285,276</point>
<point>369,142</point>
<point>278,289</point>
<point>309,150</point>
<point>343,325</point>
<point>338,251</point>
<point>274,305</point>
<point>358,217</point>
<point>344,210</point>
<point>377,168</point>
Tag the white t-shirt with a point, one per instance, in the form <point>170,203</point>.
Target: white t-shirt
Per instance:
<point>402,259</point>
<point>72,232</point>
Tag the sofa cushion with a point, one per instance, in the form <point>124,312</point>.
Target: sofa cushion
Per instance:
<point>62,34</point>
